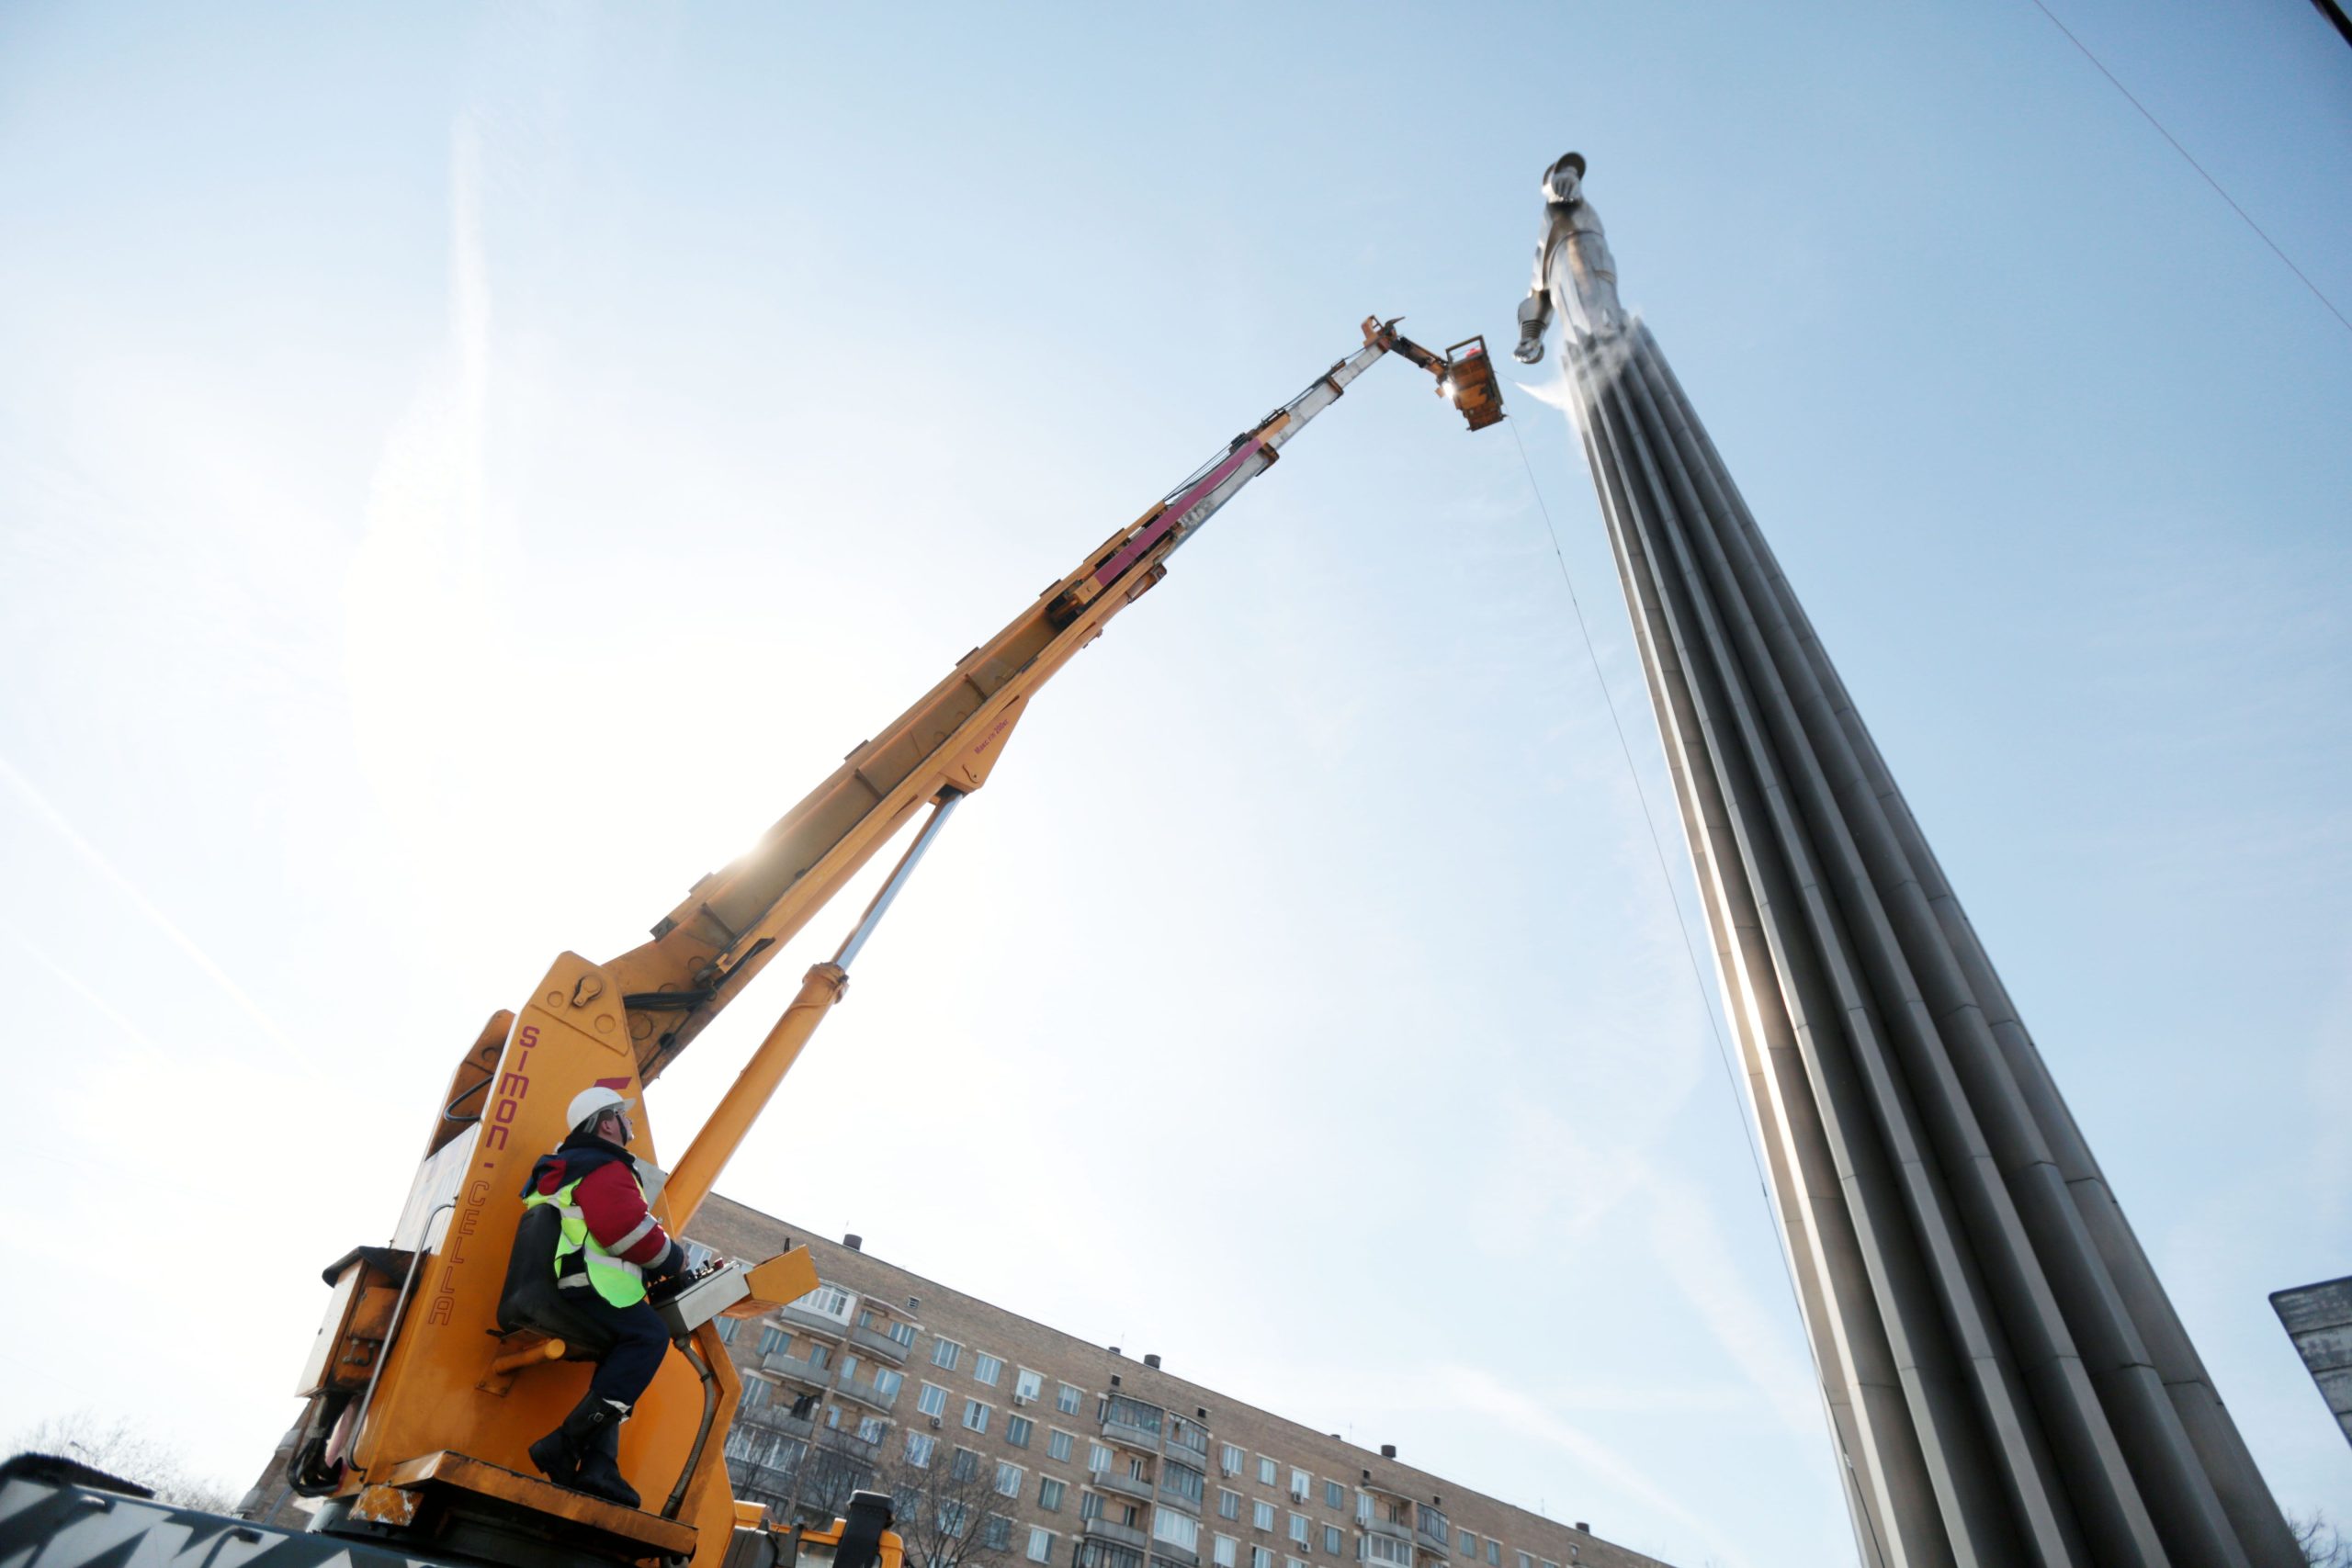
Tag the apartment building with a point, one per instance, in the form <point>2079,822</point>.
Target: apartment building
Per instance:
<point>1078,1456</point>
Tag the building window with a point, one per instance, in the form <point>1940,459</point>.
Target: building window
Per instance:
<point>1176,1530</point>
<point>774,1341</point>
<point>887,1384</point>
<point>821,1355</point>
<point>1098,1458</point>
<point>986,1367</point>
<point>1267,1475</point>
<point>756,1393</point>
<point>946,1353</point>
<point>902,1334</point>
<point>1435,1525</point>
<point>965,1465</point>
<point>1225,1551</point>
<point>1334,1496</point>
<point>1261,1513</point>
<point>1090,1505</point>
<point>1331,1540</point>
<point>976,1418</point>
<point>1525,1560</point>
<point>918,1448</point>
<point>1363,1508</point>
<point>953,1516</point>
<point>1387,1552</point>
<point>1494,1554</point>
<point>1017,1429</point>
<point>1008,1478</point>
<point>1262,1557</point>
<point>1469,1541</point>
<point>1066,1399</point>
<point>1027,1385</point>
<point>1190,1436</point>
<point>933,1400</point>
<point>1298,1528</point>
<point>1059,1445</point>
<point>726,1326</point>
<point>1049,1495</point>
<point>870,1430</point>
<point>1228,1504</point>
<point>997,1533</point>
<point>1230,1461</point>
<point>1041,1544</point>
<point>1301,1484</point>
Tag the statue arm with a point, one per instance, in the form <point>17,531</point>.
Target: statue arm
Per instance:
<point>1535,316</point>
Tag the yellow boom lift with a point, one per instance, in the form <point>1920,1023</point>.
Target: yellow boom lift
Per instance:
<point>429,1376</point>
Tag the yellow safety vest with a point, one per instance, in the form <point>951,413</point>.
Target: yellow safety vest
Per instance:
<point>617,1279</point>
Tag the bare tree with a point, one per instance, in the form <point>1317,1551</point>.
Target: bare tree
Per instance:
<point>950,1512</point>
<point>125,1452</point>
<point>836,1464</point>
<point>2324,1545</point>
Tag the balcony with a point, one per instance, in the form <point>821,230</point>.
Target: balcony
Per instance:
<point>1111,1530</point>
<point>1170,1552</point>
<point>1188,1441</point>
<point>1119,1481</point>
<point>1394,1530</point>
<point>777,1418</point>
<point>841,1440</point>
<point>867,1393</point>
<point>1118,1428</point>
<point>879,1345</point>
<point>800,1316</point>
<point>1180,1502</point>
<point>1434,1533</point>
<point>797,1369</point>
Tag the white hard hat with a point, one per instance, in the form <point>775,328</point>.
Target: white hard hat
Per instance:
<point>590,1103</point>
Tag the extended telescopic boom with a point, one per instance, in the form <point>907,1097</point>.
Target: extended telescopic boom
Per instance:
<point>733,921</point>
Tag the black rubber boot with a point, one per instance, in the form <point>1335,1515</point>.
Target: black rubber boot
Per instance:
<point>599,1473</point>
<point>557,1455</point>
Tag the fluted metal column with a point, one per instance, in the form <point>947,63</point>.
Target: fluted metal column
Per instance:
<point>2006,1382</point>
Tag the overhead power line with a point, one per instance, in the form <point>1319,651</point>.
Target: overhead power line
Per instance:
<point>2128,98</point>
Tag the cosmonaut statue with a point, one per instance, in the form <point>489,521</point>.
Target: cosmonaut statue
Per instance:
<point>1574,271</point>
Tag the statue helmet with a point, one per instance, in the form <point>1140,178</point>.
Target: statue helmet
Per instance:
<point>1566,160</point>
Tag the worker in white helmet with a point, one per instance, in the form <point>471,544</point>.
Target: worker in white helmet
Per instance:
<point>611,1245</point>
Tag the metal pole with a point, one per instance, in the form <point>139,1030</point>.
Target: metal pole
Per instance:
<point>855,942</point>
<point>730,1120</point>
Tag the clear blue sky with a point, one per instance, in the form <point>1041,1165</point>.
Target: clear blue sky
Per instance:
<point>462,473</point>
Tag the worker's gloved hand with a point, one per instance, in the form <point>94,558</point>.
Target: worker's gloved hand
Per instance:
<point>672,1263</point>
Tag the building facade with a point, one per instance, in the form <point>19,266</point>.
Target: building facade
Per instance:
<point>1044,1449</point>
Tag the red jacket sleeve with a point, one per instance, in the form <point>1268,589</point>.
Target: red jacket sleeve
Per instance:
<point>616,1215</point>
